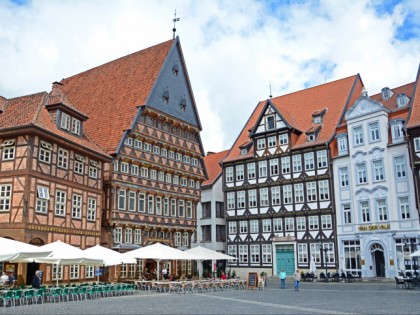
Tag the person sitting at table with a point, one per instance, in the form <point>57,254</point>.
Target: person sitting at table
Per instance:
<point>36,283</point>
<point>165,273</point>
<point>154,274</point>
<point>223,276</point>
<point>12,280</point>
<point>4,279</point>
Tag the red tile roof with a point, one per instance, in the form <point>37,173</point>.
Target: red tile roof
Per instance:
<point>30,111</point>
<point>414,120</point>
<point>297,109</point>
<point>212,163</point>
<point>391,103</point>
<point>109,94</point>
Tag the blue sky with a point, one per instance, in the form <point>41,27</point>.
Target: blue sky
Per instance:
<point>233,48</point>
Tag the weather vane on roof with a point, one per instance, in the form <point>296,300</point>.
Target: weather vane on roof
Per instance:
<point>270,91</point>
<point>175,19</point>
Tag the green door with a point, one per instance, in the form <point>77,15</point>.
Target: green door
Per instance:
<point>285,256</point>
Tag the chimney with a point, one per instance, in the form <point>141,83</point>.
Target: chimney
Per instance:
<point>210,153</point>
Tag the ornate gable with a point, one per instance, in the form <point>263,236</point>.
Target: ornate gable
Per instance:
<point>270,120</point>
<point>364,106</point>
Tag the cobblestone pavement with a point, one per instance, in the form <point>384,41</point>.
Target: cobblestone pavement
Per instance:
<point>312,298</point>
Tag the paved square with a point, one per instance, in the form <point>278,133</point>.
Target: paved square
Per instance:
<point>313,298</point>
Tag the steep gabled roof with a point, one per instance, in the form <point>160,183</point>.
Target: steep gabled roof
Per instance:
<point>109,94</point>
<point>31,111</point>
<point>414,117</point>
<point>297,108</point>
<point>214,170</point>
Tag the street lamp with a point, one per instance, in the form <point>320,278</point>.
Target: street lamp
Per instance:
<point>325,249</point>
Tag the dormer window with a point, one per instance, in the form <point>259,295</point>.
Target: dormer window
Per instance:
<point>311,137</point>
<point>386,93</point>
<point>317,120</point>
<point>402,100</point>
<point>65,121</point>
<point>270,122</point>
<point>183,105</point>
<point>175,70</point>
<point>318,115</point>
<point>244,151</point>
<point>75,126</point>
<point>165,97</point>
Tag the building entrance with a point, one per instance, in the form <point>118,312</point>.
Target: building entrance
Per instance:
<point>378,259</point>
<point>285,258</point>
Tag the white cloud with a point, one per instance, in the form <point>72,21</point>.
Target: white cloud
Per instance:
<point>233,49</point>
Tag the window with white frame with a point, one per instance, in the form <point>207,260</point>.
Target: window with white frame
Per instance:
<point>311,191</point>
<point>378,170</point>
<point>89,272</point>
<point>176,179</point>
<point>5,196</point>
<point>255,253</point>
<point>181,205</point>
<point>169,178</point>
<point>397,131</point>
<point>173,207</point>
<point>287,194</point>
<point>342,144</point>
<point>358,138</point>
<point>76,211</point>
<point>400,169</point>
<point>186,159</point>
<point>93,171</point>
<point>285,165</point>
<point>374,134</point>
<point>346,213</point>
<point>277,225</point>
<point>8,149</point>
<point>240,172</point>
<point>329,255</point>
<point>404,208</point>
<point>189,209</point>
<point>262,166</point>
<point>309,161</point>
<point>270,122</point>
<point>132,200</point>
<point>128,236</point>
<point>158,205</point>
<point>166,206</point>
<point>134,170</point>
<point>321,157</point>
<point>63,158</point>
<point>289,224</point>
<point>164,152</point>
<point>138,144</point>
<point>266,223</point>
<point>241,199</point>
<point>42,200</point>
<point>45,152</point>
<point>361,173</point>
<point>300,223</point>
<point>185,238</point>
<point>65,121</point>
<point>299,194</point>
<point>91,209</point>
<point>283,139</point>
<point>326,221</point>
<point>171,155</point>
<point>302,253</point>
<point>229,174</point>
<point>260,144</point>
<point>251,170</point>
<point>324,190</point>
<point>118,235</point>
<point>253,226</point>
<point>297,163</point>
<point>274,167</point>
<point>344,176</point>
<point>60,202</point>
<point>382,209</point>
<point>243,253</point>
<point>313,222</point>
<point>316,252</point>
<point>75,126</point>
<point>78,165</point>
<point>264,197</point>
<point>230,200</point>
<point>365,211</point>
<point>156,149</point>
<point>232,250</point>
<point>142,203</point>
<point>272,141</point>
<point>153,175</point>
<point>243,227</point>
<point>232,227</point>
<point>57,272</point>
<point>252,198</point>
<point>177,238</point>
<point>266,254</point>
<point>275,195</point>
<point>150,204</point>
<point>144,172</point>
<point>417,144</point>
<point>128,141</point>
<point>74,271</point>
<point>121,199</point>
<point>124,167</point>
<point>137,236</point>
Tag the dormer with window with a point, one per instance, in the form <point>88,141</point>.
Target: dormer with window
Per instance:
<point>402,100</point>
<point>318,117</point>
<point>312,133</point>
<point>397,134</point>
<point>386,93</point>
<point>244,149</point>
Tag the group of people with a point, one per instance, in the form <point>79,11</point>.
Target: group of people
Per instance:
<point>296,278</point>
<point>5,279</point>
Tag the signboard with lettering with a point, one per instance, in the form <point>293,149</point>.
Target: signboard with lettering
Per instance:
<point>252,280</point>
<point>287,238</point>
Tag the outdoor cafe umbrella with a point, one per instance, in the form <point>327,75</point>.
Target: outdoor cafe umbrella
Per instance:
<point>415,254</point>
<point>201,253</point>
<point>15,251</point>
<point>159,252</point>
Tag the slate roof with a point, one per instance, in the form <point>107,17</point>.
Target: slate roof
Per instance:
<point>297,109</point>
<point>212,163</point>
<point>110,94</point>
<point>31,111</point>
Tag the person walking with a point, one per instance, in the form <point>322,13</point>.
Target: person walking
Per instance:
<point>297,277</point>
<point>282,279</point>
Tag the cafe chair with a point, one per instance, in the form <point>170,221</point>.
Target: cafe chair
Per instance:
<point>399,282</point>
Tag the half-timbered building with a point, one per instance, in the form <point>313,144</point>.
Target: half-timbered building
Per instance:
<point>374,192</point>
<point>50,179</point>
<point>278,181</point>
<point>143,113</point>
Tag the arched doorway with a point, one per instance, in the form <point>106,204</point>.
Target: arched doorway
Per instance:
<point>378,259</point>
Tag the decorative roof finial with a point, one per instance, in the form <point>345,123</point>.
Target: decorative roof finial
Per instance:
<point>364,92</point>
<point>175,19</point>
<point>270,91</point>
